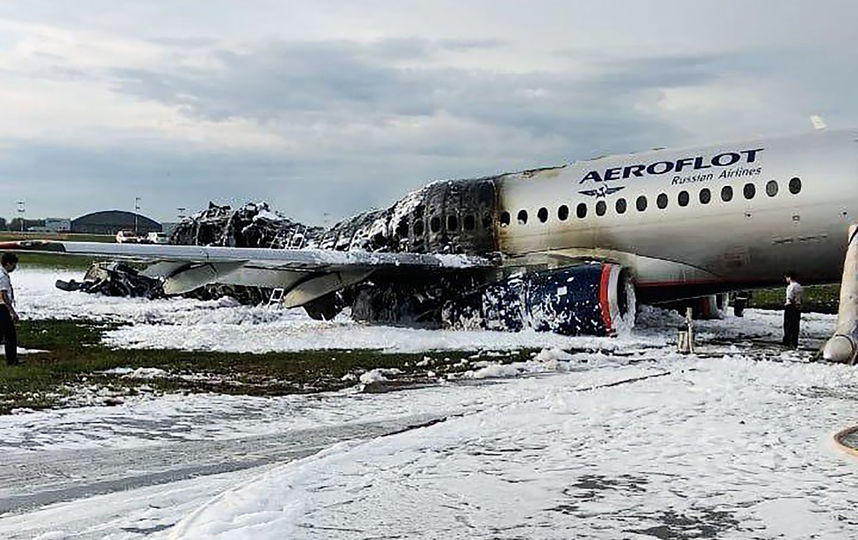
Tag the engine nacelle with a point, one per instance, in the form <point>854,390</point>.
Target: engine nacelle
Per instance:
<point>590,299</point>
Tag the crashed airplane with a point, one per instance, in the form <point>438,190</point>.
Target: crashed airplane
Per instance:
<point>569,249</point>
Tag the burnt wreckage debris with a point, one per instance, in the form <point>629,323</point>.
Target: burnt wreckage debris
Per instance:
<point>447,217</point>
<point>253,225</point>
<point>119,279</point>
<point>114,279</point>
<point>450,217</point>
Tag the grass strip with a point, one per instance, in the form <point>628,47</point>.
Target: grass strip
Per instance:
<point>75,359</point>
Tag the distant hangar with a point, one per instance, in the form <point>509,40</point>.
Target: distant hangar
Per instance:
<point>113,221</point>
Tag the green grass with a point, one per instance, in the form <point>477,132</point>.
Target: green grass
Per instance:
<point>817,298</point>
<point>75,356</point>
<point>53,260</point>
<point>66,237</point>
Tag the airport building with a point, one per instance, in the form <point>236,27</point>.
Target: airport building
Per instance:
<point>57,225</point>
<point>113,221</point>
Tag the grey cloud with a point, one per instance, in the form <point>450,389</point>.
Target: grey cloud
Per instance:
<point>279,82</point>
<point>681,70</point>
<point>337,98</point>
<point>471,44</point>
<point>271,82</point>
<point>519,121</point>
<point>185,42</point>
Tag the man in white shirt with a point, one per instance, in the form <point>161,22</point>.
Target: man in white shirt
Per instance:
<point>792,310</point>
<point>8,315</point>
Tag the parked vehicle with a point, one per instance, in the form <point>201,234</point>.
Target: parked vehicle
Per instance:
<point>129,237</point>
<point>157,238</point>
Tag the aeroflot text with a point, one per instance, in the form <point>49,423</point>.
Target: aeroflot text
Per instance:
<point>697,163</point>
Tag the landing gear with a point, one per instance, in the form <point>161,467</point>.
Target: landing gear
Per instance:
<point>740,302</point>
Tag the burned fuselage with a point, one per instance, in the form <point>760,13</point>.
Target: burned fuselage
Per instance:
<point>459,217</point>
<point>450,217</point>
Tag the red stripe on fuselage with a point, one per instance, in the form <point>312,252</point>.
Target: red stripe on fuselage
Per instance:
<point>679,283</point>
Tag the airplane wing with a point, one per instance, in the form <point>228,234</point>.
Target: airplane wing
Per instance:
<point>287,259</point>
<point>303,274</point>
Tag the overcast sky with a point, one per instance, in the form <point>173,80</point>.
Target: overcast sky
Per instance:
<point>325,108</point>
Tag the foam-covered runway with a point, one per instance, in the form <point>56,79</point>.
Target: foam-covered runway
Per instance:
<point>632,441</point>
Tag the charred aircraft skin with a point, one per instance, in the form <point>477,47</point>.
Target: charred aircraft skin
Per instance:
<point>119,279</point>
<point>448,217</point>
<point>114,279</point>
<point>253,225</point>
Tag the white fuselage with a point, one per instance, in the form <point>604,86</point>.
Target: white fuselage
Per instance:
<point>791,204</point>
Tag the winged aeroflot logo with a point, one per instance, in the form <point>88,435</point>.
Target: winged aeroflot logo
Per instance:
<point>602,191</point>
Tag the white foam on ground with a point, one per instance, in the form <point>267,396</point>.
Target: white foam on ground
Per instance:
<point>223,325</point>
<point>21,351</point>
<point>730,446</point>
<point>137,373</point>
<point>378,375</point>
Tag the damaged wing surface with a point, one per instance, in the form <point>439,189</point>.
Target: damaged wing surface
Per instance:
<point>288,259</point>
<point>304,274</point>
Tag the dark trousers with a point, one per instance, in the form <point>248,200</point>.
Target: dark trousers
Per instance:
<point>10,335</point>
<point>792,321</point>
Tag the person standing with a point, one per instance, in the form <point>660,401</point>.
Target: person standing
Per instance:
<point>792,310</point>
<point>8,315</point>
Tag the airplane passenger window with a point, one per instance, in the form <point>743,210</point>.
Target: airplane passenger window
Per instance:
<point>522,217</point>
<point>661,201</point>
<point>795,186</point>
<point>452,223</point>
<point>727,193</point>
<point>418,228</point>
<point>705,196</point>
<point>470,222</point>
<point>504,219</point>
<point>563,213</point>
<point>750,191</point>
<point>402,229</point>
<point>435,224</point>
<point>581,210</point>
<point>601,208</point>
<point>683,198</point>
<point>641,203</point>
<point>772,188</point>
<point>621,206</point>
<point>542,215</point>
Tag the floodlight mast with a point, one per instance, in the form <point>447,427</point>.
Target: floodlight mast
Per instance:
<point>21,210</point>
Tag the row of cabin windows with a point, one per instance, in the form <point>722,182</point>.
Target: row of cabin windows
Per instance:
<point>469,223</point>
<point>749,191</point>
